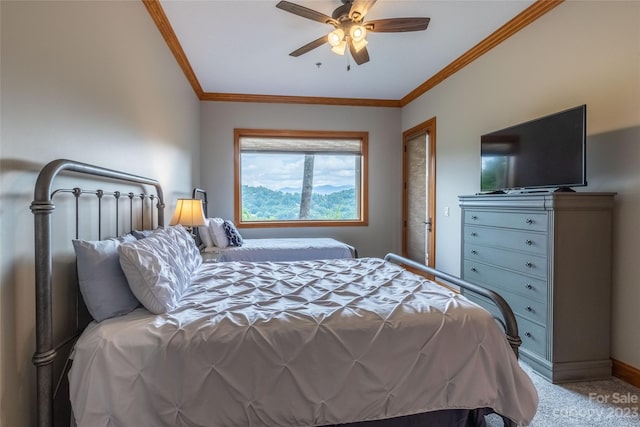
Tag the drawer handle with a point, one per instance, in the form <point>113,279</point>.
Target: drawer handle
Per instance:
<point>529,309</point>
<point>474,217</point>
<point>528,286</point>
<point>528,334</point>
<point>475,270</point>
<point>529,221</point>
<point>529,265</point>
<point>528,242</point>
<point>474,234</point>
<point>474,252</point>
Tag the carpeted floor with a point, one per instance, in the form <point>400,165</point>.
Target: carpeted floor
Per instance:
<point>606,403</point>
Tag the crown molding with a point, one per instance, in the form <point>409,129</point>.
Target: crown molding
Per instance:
<point>162,22</point>
<point>520,21</point>
<point>314,100</point>
<point>526,17</point>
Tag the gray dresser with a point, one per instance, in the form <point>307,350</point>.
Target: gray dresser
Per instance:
<point>549,256</point>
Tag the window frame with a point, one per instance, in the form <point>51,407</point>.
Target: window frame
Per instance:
<point>309,134</point>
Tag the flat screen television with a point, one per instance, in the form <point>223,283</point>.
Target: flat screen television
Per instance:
<point>545,153</point>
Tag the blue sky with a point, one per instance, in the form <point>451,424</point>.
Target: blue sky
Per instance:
<point>276,171</point>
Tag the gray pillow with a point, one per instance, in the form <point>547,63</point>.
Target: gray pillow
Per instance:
<point>103,284</point>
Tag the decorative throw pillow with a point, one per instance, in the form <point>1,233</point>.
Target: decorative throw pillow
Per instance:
<point>218,235</point>
<point>141,234</point>
<point>234,237</point>
<point>102,282</point>
<point>159,267</point>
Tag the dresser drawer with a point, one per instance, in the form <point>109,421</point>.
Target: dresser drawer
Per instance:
<point>535,265</point>
<point>526,241</point>
<point>503,280</point>
<point>533,336</point>
<point>535,221</point>
<point>530,309</point>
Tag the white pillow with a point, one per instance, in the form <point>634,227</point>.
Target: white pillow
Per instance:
<point>187,246</point>
<point>159,267</point>
<point>205,235</point>
<point>218,235</point>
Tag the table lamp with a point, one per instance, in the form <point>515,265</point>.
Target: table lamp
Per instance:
<point>188,213</point>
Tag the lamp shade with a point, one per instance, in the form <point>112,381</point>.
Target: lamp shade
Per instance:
<point>188,213</point>
<point>357,33</point>
<point>340,48</point>
<point>335,37</point>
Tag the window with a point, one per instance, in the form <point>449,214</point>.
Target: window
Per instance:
<point>300,178</point>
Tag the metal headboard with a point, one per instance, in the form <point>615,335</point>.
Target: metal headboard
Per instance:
<point>42,207</point>
<point>203,196</point>
<point>199,193</point>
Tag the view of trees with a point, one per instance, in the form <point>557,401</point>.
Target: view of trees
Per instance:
<point>494,173</point>
<point>261,203</point>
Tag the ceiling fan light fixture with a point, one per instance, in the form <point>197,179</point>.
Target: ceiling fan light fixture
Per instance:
<point>358,45</point>
<point>340,48</point>
<point>336,37</point>
<point>349,27</point>
<point>357,33</point>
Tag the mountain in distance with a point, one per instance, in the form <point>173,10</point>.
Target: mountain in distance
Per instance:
<point>320,189</point>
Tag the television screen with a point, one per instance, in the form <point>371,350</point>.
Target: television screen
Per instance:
<point>548,152</point>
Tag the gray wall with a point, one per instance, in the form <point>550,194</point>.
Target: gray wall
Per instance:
<point>93,81</point>
<point>579,53</point>
<point>89,81</point>
<point>382,235</point>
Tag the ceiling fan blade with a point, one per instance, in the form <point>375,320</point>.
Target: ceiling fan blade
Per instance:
<point>397,25</point>
<point>305,12</point>
<point>309,46</point>
<point>359,9</point>
<point>360,56</point>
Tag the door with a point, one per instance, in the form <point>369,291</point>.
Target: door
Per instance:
<point>418,198</point>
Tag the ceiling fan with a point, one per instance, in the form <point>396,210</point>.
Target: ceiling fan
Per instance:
<point>350,29</point>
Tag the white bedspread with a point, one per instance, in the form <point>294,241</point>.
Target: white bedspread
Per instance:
<point>284,249</point>
<point>297,344</point>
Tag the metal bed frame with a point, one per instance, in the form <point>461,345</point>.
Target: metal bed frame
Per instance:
<point>42,207</point>
<point>47,348</point>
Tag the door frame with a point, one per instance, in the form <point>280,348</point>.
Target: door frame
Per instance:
<point>427,127</point>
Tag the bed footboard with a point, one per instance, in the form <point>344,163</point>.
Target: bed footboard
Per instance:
<point>508,318</point>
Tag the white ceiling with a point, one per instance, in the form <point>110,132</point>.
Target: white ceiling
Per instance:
<point>242,46</point>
